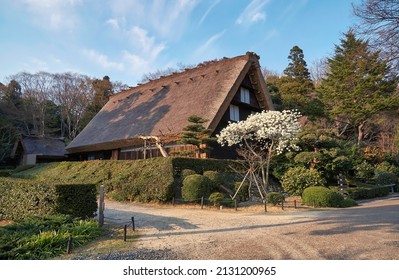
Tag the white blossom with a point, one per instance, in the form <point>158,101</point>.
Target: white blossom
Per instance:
<point>267,128</point>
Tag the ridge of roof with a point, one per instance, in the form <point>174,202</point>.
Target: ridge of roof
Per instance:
<point>200,66</point>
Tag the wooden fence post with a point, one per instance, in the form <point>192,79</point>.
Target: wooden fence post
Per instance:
<point>101,206</point>
<point>265,206</point>
<point>235,204</point>
<point>202,202</point>
<point>133,225</point>
<point>295,203</point>
<point>69,245</point>
<point>124,232</point>
<point>282,204</point>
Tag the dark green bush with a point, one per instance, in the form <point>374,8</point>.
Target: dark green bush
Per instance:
<point>296,179</point>
<point>367,192</point>
<point>202,165</point>
<point>216,198</point>
<point>321,197</point>
<point>195,186</point>
<point>274,198</point>
<point>5,172</point>
<point>364,171</point>
<point>348,202</point>
<point>187,172</point>
<point>20,199</point>
<point>76,200</point>
<point>215,178</point>
<point>386,178</point>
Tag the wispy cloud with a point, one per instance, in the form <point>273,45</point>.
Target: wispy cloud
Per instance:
<point>145,43</point>
<point>204,48</point>
<point>214,3</point>
<point>253,12</point>
<point>166,19</point>
<point>102,60</point>
<point>114,22</point>
<point>53,14</point>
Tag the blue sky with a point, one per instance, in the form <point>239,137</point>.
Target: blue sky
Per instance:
<point>125,39</point>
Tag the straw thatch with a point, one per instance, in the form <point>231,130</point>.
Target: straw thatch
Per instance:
<point>30,148</point>
<point>161,107</point>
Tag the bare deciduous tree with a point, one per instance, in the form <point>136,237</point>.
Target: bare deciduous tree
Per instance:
<point>380,24</point>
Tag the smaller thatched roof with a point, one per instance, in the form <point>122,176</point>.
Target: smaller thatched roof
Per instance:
<point>42,146</point>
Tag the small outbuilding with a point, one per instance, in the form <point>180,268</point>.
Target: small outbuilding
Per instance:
<point>38,149</point>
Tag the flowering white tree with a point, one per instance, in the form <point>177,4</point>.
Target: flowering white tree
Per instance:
<point>259,137</point>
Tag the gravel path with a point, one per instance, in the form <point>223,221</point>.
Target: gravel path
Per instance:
<point>369,231</point>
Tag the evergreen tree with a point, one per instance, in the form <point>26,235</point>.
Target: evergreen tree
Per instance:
<point>297,68</point>
<point>296,86</point>
<point>103,89</point>
<point>196,134</point>
<point>358,85</point>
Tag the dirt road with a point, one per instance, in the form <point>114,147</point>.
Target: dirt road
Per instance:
<point>368,231</point>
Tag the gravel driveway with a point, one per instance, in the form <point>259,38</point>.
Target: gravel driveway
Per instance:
<point>368,231</point>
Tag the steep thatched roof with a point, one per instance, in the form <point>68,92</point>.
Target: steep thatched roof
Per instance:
<point>42,146</point>
<point>161,107</point>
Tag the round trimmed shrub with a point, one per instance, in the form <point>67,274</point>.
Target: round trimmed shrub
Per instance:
<point>215,178</point>
<point>321,197</point>
<point>187,172</point>
<point>296,179</point>
<point>274,197</point>
<point>195,186</point>
<point>216,198</point>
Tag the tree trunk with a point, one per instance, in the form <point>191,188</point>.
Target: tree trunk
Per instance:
<point>360,133</point>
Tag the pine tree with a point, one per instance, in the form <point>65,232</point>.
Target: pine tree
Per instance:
<point>296,86</point>
<point>358,86</point>
<point>196,134</point>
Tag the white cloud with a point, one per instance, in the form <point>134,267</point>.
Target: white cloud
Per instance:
<point>253,12</point>
<point>136,63</point>
<point>53,14</point>
<point>214,3</point>
<point>102,60</point>
<point>146,44</point>
<point>166,19</point>
<point>113,22</point>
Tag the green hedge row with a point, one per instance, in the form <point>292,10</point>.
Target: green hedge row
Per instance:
<point>20,199</point>
<point>157,179</point>
<point>202,165</point>
<point>367,192</point>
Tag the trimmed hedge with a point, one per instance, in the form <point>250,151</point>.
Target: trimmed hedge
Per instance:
<point>367,192</point>
<point>202,165</point>
<point>76,200</point>
<point>321,197</point>
<point>156,179</point>
<point>20,199</point>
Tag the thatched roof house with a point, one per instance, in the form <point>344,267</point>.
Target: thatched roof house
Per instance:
<point>219,91</point>
<point>38,149</point>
